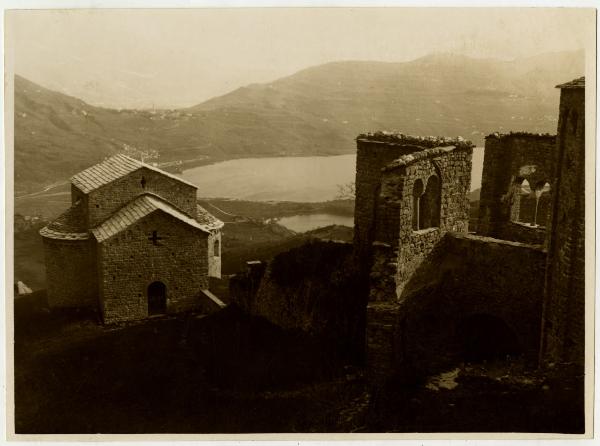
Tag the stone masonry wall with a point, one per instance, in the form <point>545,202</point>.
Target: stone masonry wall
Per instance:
<point>382,312</point>
<point>501,278</point>
<point>468,276</point>
<point>403,257</point>
<point>70,273</point>
<point>107,199</point>
<point>129,263</point>
<point>312,288</point>
<point>371,157</point>
<point>519,232</point>
<point>510,158</point>
<point>454,171</point>
<point>564,325</point>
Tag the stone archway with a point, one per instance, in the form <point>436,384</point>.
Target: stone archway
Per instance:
<point>157,298</point>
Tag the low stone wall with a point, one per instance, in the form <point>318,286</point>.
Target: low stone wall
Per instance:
<point>502,278</point>
<point>519,232</point>
<point>244,286</point>
<point>313,288</point>
<point>466,276</point>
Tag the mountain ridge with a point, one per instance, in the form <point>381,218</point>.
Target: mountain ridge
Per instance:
<point>315,111</point>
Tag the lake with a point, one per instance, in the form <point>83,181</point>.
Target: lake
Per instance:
<point>303,223</point>
<point>300,179</point>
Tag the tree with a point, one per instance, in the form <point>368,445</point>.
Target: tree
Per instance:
<point>346,191</point>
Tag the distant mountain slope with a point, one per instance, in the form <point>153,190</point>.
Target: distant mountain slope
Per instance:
<point>319,110</point>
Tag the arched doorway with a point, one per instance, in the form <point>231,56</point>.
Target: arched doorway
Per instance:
<point>487,337</point>
<point>157,298</point>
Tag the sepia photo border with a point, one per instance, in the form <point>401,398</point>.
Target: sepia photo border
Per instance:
<point>8,233</point>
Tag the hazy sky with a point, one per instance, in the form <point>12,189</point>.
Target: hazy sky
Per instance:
<point>174,58</point>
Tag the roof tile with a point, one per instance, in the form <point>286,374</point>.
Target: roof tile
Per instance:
<point>144,205</point>
<point>575,83</point>
<point>112,169</point>
<point>69,225</point>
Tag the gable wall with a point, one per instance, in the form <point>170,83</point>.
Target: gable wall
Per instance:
<point>129,262</point>
<point>106,200</point>
<point>395,209</point>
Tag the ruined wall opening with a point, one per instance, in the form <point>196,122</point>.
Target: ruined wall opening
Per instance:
<point>485,337</point>
<point>542,203</point>
<point>429,204</point>
<point>157,298</point>
<point>531,205</point>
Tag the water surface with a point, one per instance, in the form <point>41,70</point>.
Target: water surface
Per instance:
<point>303,223</point>
<point>300,179</point>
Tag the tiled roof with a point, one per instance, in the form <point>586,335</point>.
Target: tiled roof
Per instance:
<point>138,209</point>
<point>68,226</point>
<point>112,169</point>
<point>575,83</point>
<point>207,219</point>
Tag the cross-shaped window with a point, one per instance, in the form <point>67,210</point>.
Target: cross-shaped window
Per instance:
<point>155,238</point>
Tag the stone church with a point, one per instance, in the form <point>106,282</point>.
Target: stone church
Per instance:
<point>133,244</point>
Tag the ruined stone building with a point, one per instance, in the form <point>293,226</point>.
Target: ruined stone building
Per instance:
<point>133,244</point>
<point>437,291</point>
<point>515,191</point>
<point>429,290</point>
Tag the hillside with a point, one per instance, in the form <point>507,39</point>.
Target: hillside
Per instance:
<point>319,110</point>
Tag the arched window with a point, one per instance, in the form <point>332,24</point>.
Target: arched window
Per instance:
<point>143,183</point>
<point>217,248</point>
<point>417,193</point>
<point>542,203</point>
<point>531,205</point>
<point>429,205</point>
